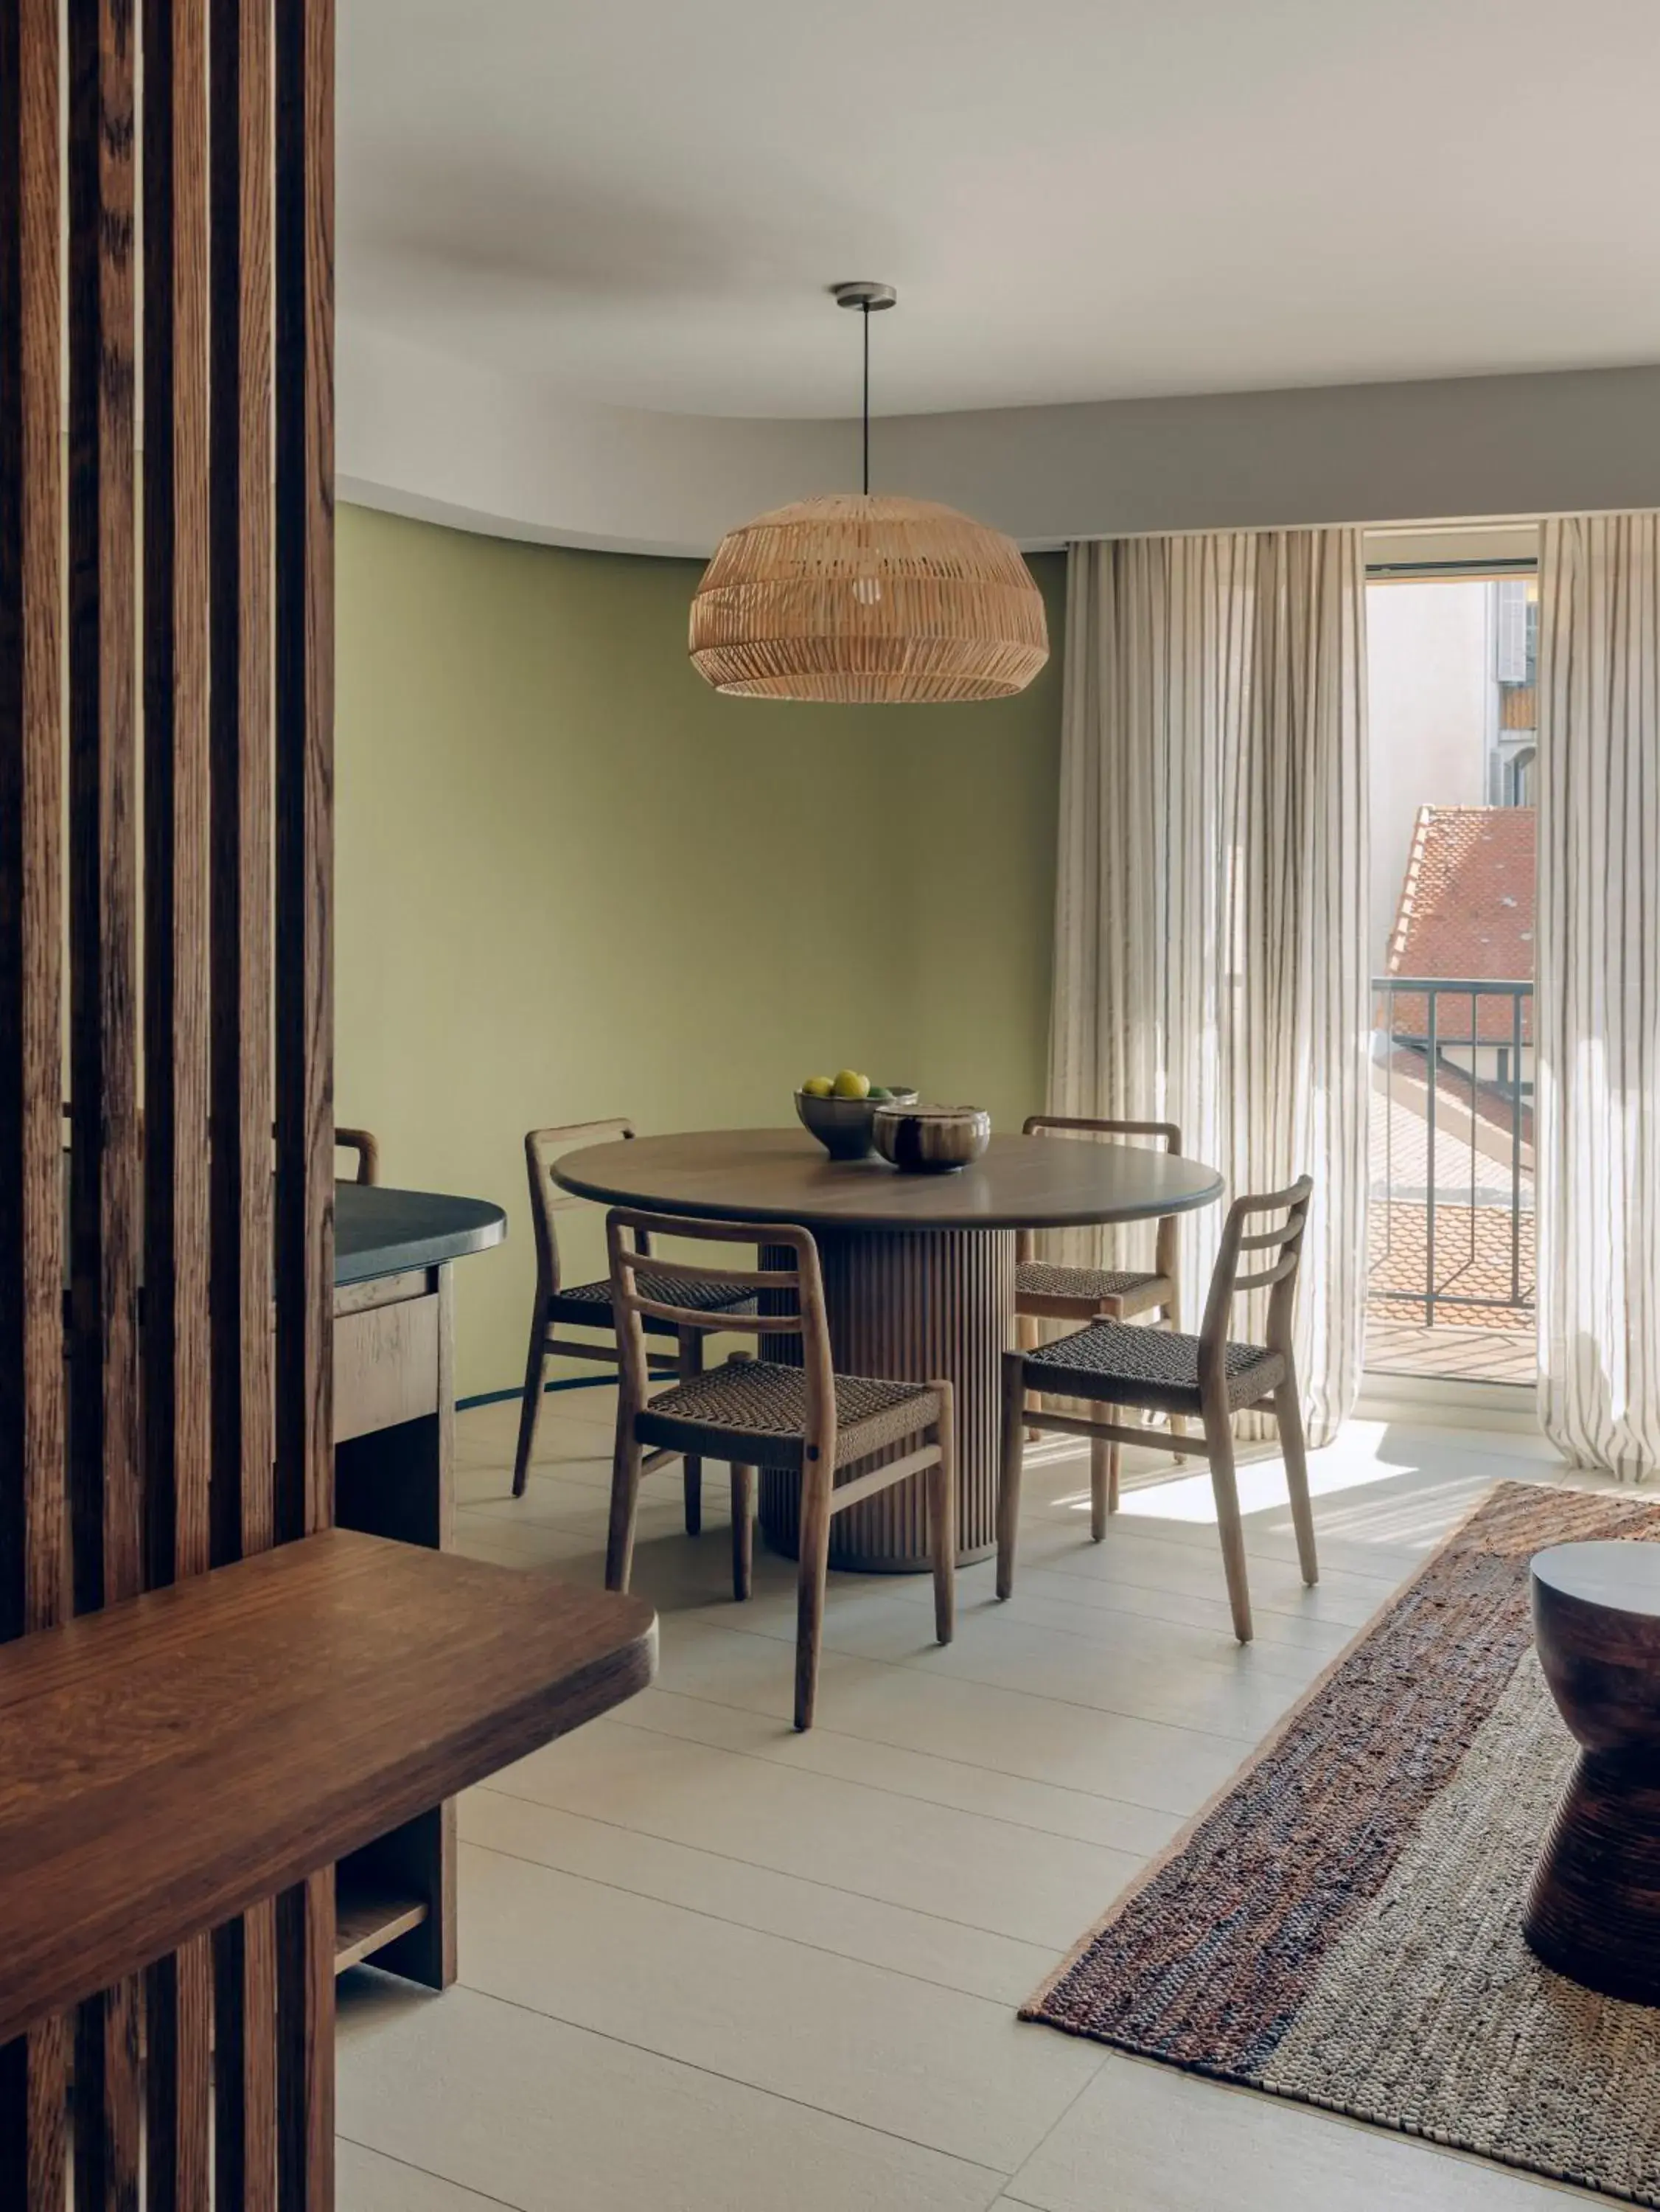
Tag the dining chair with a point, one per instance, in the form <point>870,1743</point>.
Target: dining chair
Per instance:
<point>587,1305</point>
<point>362,1144</point>
<point>1043,1292</point>
<point>365,1146</point>
<point>1205,1376</point>
<point>805,1420</point>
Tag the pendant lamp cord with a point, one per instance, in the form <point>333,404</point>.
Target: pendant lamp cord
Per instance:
<point>866,410</point>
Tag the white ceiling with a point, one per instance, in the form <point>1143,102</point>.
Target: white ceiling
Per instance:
<point>641,201</point>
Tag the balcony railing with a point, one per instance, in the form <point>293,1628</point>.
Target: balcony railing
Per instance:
<point>1451,1150</point>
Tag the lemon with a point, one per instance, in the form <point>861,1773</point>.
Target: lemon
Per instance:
<point>850,1084</point>
<point>817,1086</point>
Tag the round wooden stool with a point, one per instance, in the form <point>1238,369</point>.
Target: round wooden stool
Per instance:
<point>1594,1911</point>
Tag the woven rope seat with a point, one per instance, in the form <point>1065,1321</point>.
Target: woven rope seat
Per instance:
<point>590,1303</point>
<point>754,1411</point>
<point>1039,1279</point>
<point>1121,1366</point>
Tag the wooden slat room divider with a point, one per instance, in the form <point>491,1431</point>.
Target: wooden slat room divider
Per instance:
<point>166,747</point>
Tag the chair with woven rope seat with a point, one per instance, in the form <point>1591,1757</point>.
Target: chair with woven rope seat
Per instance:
<point>1045,1292</point>
<point>587,1305</point>
<point>805,1420</point>
<point>1209,1378</point>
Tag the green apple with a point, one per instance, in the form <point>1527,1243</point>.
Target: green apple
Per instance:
<point>878,1092</point>
<point>817,1086</point>
<point>850,1085</point>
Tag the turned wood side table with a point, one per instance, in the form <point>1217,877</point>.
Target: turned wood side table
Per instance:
<point>1594,1911</point>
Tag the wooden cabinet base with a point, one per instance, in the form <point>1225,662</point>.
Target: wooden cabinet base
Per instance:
<point>394,1477</point>
<point>1594,1911</point>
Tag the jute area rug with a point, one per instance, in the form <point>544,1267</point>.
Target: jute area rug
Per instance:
<point>1341,1925</point>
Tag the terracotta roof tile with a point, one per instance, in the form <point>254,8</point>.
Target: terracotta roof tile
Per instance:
<point>1466,909</point>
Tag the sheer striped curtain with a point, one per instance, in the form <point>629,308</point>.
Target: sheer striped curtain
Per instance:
<point>1211,955</point>
<point>1597,1098</point>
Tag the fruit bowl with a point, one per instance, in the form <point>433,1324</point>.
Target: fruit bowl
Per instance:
<point>842,1126</point>
<point>930,1139</point>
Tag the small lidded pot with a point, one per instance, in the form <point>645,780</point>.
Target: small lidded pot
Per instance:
<point>931,1139</point>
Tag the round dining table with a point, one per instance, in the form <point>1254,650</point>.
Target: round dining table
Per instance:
<point>918,1276</point>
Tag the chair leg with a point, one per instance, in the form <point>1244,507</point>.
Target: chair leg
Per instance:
<point>690,1362</point>
<point>1103,1485</point>
<point>1026,1338</point>
<point>625,1499</point>
<point>814,1561</point>
<point>1288,1411</point>
<point>529,1411</point>
<point>1172,1322</point>
<point>942,1520</point>
<point>1219,1444</point>
<point>743,1530</point>
<point>1012,1468</point>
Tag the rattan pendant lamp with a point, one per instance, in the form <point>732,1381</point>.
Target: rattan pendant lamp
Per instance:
<point>868,597</point>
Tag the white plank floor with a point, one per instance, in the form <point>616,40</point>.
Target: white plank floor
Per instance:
<point>708,1964</point>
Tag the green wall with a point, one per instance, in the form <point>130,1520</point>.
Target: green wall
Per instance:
<point>574,882</point>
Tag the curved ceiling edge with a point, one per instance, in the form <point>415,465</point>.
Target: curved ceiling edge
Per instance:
<point>451,442</point>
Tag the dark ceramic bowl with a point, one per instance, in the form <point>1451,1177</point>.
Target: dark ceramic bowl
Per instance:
<point>842,1126</point>
<point>931,1139</point>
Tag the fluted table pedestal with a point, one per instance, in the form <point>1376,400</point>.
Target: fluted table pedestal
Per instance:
<point>913,1305</point>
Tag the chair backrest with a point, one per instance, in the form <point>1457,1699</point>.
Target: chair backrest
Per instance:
<point>1035,1125</point>
<point>541,1148</point>
<point>790,1298</point>
<point>1257,1258</point>
<point>365,1145</point>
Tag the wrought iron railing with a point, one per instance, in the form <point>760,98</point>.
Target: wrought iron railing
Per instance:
<point>1469,1043</point>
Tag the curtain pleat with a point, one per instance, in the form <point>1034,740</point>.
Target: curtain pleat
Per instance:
<point>1211,955</point>
<point>1598,985</point>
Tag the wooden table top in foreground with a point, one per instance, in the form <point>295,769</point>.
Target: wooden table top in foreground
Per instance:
<point>783,1175</point>
<point>165,1763</point>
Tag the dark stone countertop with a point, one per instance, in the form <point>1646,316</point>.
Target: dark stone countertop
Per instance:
<point>379,1232</point>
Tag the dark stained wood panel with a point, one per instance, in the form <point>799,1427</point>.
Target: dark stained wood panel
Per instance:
<point>129,1460</point>
<point>173,1759</point>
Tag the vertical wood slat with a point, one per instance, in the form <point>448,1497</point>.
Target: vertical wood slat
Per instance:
<point>178,1991</point>
<point>304,989</point>
<point>305,763</point>
<point>240,530</point>
<point>104,1440</point>
<point>176,1367</point>
<point>240,432</point>
<point>33,2131</point>
<point>306,2000</point>
<point>31,1497</point>
<point>178,2076</point>
<point>245,1954</point>
<point>34,2069</point>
